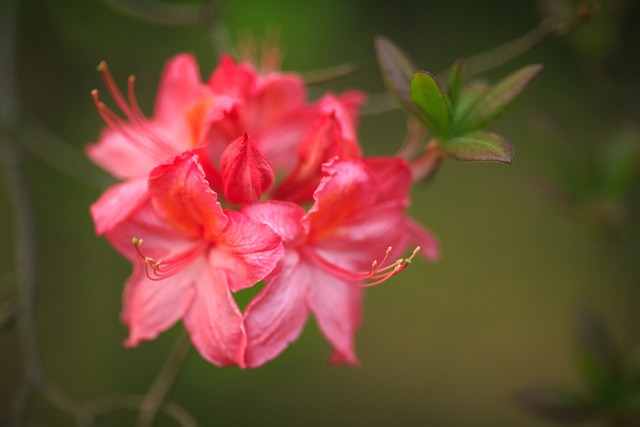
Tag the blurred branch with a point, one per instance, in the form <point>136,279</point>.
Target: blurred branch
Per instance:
<point>326,75</point>
<point>205,14</point>
<point>159,12</point>
<point>158,391</point>
<point>108,404</point>
<point>53,150</point>
<point>495,57</point>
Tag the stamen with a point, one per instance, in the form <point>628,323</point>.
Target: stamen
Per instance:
<point>163,268</point>
<point>137,130</point>
<point>110,83</point>
<point>378,273</point>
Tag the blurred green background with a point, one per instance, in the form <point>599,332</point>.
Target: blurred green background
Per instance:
<point>443,344</point>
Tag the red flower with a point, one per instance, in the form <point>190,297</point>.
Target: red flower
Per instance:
<point>188,254</point>
<point>328,255</point>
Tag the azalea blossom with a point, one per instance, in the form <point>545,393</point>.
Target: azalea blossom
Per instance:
<point>328,256</point>
<point>130,147</point>
<point>189,254</point>
<point>213,201</point>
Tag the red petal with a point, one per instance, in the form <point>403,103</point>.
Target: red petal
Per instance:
<point>151,307</point>
<point>284,218</point>
<point>118,203</point>
<point>337,309</point>
<point>246,173</point>
<point>247,249</point>
<point>182,196</point>
<point>276,316</point>
<point>214,321</point>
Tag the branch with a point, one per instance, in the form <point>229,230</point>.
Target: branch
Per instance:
<point>159,390</point>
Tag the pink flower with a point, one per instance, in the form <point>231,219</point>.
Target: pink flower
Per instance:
<point>188,255</point>
<point>328,254</point>
<point>271,108</point>
<point>129,148</point>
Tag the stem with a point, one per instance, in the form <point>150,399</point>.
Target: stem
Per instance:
<point>160,388</point>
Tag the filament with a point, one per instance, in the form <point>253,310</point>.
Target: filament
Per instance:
<point>377,274</point>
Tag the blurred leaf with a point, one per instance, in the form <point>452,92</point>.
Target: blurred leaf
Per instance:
<point>620,165</point>
<point>556,404</point>
<point>397,71</point>
<point>470,95</point>
<point>456,79</point>
<point>598,359</point>
<point>480,147</point>
<point>428,96</point>
<point>500,97</point>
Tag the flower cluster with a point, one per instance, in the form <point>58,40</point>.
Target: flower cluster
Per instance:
<point>241,181</point>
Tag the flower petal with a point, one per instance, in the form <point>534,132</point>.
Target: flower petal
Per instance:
<point>214,321</point>
<point>151,307</point>
<point>277,315</point>
<point>181,194</point>
<point>284,218</point>
<point>248,250</point>
<point>346,190</point>
<point>118,203</point>
<point>180,84</point>
<point>337,308</point>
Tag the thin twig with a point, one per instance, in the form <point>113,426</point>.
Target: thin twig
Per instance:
<point>493,58</point>
<point>108,404</point>
<point>164,381</point>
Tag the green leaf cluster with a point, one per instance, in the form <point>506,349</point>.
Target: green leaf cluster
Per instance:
<point>454,115</point>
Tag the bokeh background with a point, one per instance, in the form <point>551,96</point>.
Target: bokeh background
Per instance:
<point>444,343</point>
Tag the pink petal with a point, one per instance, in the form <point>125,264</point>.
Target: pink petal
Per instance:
<point>284,218</point>
<point>246,173</point>
<point>124,158</point>
<point>118,203</point>
<point>393,178</point>
<point>423,237</point>
<point>322,142</point>
<point>277,315</point>
<point>337,308</point>
<point>180,84</point>
<point>345,108</point>
<point>346,190</point>
<point>248,250</point>
<point>232,79</point>
<point>214,321</point>
<point>276,97</point>
<point>160,240</point>
<point>151,307</point>
<point>182,196</point>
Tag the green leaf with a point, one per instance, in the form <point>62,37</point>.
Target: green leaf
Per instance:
<point>428,96</point>
<point>397,72</point>
<point>500,97</point>
<point>556,404</point>
<point>456,78</point>
<point>480,147</point>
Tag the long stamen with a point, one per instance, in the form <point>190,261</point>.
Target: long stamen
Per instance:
<point>103,69</point>
<point>138,130</point>
<point>378,273</point>
<point>163,268</point>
